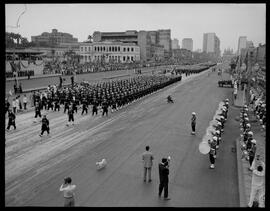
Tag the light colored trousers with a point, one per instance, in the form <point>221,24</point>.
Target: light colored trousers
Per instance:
<point>145,172</point>
<point>254,191</point>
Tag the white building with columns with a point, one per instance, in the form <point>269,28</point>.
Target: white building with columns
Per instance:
<point>109,52</point>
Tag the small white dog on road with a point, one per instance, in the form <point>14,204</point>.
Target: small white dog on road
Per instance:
<point>102,164</point>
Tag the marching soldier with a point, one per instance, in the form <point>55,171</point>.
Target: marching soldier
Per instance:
<point>193,123</point>
<point>95,108</point>
<point>212,152</point>
<point>11,120</point>
<point>74,106</point>
<point>44,126</point>
<point>105,108</point>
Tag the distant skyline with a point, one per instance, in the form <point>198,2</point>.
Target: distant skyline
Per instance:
<point>228,21</point>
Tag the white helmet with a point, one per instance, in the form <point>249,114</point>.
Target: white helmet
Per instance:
<point>217,132</point>
<point>245,106</point>
<point>219,123</point>
<point>250,133</point>
<point>246,119</point>
<point>245,114</point>
<point>227,100</point>
<point>193,113</point>
<point>214,138</point>
<point>248,125</point>
<point>253,141</point>
<point>222,117</point>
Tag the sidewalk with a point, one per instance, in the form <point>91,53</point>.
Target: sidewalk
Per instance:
<point>245,175</point>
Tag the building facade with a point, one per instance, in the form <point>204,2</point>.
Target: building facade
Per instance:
<point>175,44</point>
<point>242,43</point>
<point>211,44</point>
<point>54,38</point>
<point>109,52</point>
<point>187,43</point>
<point>148,41</point>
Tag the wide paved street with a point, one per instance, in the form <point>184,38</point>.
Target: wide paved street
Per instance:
<point>35,167</point>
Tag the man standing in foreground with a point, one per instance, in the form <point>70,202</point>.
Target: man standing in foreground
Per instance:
<point>147,163</point>
<point>164,178</point>
<point>257,184</point>
<point>68,190</point>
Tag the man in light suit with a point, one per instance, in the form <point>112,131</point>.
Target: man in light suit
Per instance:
<point>147,158</point>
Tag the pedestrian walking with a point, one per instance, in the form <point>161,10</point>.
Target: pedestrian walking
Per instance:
<point>44,126</point>
<point>25,102</point>
<point>147,158</point>
<point>257,183</point>
<point>37,111</point>
<point>84,107</point>
<point>14,105</point>
<point>70,115</point>
<point>68,190</point>
<point>11,120</point>
<point>193,123</point>
<point>163,178</point>
<point>7,104</point>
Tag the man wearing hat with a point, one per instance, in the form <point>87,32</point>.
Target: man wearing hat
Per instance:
<point>164,178</point>
<point>193,123</point>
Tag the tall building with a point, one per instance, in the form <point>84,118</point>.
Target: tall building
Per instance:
<point>242,43</point>
<point>175,44</point>
<point>54,38</point>
<point>144,41</point>
<point>250,44</point>
<point>211,44</point>
<point>187,43</point>
<point>164,38</point>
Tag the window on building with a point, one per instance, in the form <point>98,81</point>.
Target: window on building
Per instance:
<point>119,48</point>
<point>132,58</point>
<point>81,48</point>
<point>95,50</point>
<point>124,49</point>
<point>113,48</point>
<point>124,58</point>
<point>110,48</point>
<point>128,49</point>
<point>132,49</point>
<point>127,58</point>
<point>103,48</point>
<point>85,48</point>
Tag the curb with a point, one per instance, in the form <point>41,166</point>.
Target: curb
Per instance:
<point>241,185</point>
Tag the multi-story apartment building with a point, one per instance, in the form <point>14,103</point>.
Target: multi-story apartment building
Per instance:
<point>109,52</point>
<point>187,43</point>
<point>54,38</point>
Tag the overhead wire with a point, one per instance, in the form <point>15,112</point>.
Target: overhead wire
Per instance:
<point>17,24</point>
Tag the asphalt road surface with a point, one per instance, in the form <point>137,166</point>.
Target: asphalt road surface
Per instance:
<point>35,167</point>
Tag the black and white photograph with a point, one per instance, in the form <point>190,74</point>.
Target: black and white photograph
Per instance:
<point>135,105</point>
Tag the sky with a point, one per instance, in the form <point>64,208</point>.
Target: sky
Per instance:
<point>228,21</point>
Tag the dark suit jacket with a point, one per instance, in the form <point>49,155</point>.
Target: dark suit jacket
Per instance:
<point>163,173</point>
